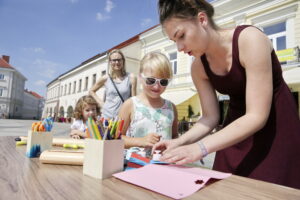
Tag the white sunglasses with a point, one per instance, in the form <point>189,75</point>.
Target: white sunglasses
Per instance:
<point>151,80</point>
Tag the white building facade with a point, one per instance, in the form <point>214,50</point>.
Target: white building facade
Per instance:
<point>32,106</point>
<point>65,90</point>
<point>12,85</point>
<point>279,19</point>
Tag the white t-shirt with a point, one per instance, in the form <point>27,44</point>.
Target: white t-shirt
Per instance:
<point>78,125</point>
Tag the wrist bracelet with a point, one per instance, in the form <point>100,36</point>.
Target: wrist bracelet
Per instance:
<point>203,149</point>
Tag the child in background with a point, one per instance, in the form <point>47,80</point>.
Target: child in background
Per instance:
<point>86,107</point>
<point>148,117</point>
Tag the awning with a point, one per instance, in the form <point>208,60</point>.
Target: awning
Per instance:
<point>178,97</point>
<point>292,76</point>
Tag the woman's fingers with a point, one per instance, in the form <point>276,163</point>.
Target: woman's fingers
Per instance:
<point>182,155</point>
<point>162,145</point>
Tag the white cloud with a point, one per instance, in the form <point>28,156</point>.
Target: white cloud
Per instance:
<point>109,6</point>
<point>73,1</point>
<point>101,17</point>
<point>34,49</point>
<point>146,22</point>
<point>40,83</point>
<point>46,68</point>
<point>38,50</point>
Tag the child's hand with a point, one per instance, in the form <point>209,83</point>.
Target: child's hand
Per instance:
<point>150,139</point>
<point>76,134</point>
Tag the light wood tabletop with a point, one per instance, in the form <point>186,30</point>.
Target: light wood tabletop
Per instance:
<point>28,178</point>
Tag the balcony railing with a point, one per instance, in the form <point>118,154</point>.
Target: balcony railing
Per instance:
<point>290,55</point>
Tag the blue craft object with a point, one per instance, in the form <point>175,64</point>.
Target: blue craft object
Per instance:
<point>35,150</point>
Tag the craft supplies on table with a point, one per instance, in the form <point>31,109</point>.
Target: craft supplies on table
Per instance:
<point>39,138</point>
<point>56,141</point>
<point>171,180</point>
<point>102,158</point>
<point>62,157</point>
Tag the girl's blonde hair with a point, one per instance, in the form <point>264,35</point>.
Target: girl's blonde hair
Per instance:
<point>81,103</point>
<point>110,71</point>
<point>158,63</point>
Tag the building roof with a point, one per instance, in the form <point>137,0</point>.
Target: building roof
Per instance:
<point>33,94</point>
<point>4,64</point>
<point>119,46</point>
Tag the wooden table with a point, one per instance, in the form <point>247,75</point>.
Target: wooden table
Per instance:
<point>25,178</point>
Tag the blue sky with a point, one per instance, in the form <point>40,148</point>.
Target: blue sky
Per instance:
<point>45,38</point>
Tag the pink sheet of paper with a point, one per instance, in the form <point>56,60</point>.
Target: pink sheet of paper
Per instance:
<point>171,180</point>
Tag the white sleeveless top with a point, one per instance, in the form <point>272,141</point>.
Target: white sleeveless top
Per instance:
<point>78,125</point>
<point>113,101</point>
<point>151,120</point>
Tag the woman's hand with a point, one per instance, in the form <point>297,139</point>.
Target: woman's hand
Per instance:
<point>166,145</point>
<point>150,139</point>
<point>182,154</point>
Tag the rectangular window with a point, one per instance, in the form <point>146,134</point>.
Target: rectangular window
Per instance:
<point>103,72</point>
<point>65,89</point>
<point>74,87</point>
<point>86,83</point>
<point>1,76</point>
<point>94,78</point>
<point>1,92</point>
<point>173,60</point>
<point>69,88</point>
<point>61,90</point>
<point>79,87</point>
<point>277,35</point>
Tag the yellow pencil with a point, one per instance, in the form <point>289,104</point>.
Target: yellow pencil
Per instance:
<point>95,128</point>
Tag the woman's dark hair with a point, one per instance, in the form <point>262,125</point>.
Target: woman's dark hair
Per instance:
<point>185,9</point>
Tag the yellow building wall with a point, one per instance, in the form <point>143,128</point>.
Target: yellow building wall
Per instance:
<point>297,26</point>
<point>182,108</point>
<point>182,63</point>
<point>296,88</point>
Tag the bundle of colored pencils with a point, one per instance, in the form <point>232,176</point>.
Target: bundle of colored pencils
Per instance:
<point>42,126</point>
<point>104,129</point>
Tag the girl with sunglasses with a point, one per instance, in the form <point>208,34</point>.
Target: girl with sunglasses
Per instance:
<point>148,117</point>
<point>260,137</point>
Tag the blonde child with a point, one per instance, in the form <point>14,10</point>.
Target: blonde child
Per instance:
<point>86,107</point>
<point>148,117</point>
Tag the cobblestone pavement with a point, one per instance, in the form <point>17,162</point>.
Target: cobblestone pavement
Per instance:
<point>16,127</point>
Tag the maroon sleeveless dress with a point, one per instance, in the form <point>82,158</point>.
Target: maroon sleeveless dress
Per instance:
<point>273,153</point>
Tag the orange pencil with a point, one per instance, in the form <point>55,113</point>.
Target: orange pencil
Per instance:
<point>120,129</point>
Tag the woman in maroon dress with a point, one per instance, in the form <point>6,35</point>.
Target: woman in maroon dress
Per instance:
<point>261,134</point>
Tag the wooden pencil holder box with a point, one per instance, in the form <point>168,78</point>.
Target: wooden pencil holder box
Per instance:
<point>37,142</point>
<point>103,158</point>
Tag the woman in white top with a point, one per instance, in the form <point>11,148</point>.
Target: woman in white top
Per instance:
<point>117,77</point>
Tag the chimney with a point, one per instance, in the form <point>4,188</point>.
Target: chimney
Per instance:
<point>6,58</point>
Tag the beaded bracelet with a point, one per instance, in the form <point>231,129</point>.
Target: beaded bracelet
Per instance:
<point>203,149</point>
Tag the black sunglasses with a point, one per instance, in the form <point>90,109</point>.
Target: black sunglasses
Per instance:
<point>151,81</point>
